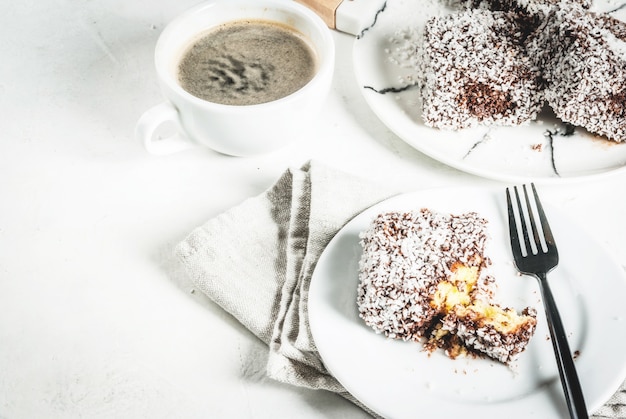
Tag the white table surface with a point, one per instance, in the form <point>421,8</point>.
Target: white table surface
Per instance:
<point>95,320</point>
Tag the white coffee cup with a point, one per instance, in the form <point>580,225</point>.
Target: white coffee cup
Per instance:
<point>238,130</point>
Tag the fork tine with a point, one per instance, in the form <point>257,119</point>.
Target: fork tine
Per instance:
<point>525,236</point>
<point>531,216</point>
<point>513,233</point>
<point>547,232</point>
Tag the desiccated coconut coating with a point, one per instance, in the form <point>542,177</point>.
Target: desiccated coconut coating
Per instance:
<point>405,257</point>
<point>477,333</point>
<point>583,57</point>
<point>529,6</point>
<point>421,275</point>
<point>475,71</point>
<point>548,51</point>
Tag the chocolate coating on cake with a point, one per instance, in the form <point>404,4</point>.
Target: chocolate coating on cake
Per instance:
<point>475,71</point>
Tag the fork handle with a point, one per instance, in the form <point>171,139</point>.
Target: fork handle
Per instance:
<point>567,370</point>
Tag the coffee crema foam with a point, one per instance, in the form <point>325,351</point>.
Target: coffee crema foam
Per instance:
<point>247,62</point>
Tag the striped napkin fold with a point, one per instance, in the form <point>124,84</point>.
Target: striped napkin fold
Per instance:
<point>256,262</point>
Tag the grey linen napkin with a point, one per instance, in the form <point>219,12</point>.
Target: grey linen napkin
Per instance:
<point>256,262</point>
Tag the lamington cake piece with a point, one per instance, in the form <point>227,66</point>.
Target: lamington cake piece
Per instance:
<point>529,6</point>
<point>583,59</point>
<point>423,277</point>
<point>476,71</point>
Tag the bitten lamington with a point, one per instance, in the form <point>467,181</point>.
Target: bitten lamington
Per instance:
<point>423,277</point>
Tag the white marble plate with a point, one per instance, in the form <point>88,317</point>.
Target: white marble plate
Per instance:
<point>399,380</point>
<point>545,151</point>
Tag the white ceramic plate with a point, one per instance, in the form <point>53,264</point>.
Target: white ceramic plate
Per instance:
<point>399,380</point>
<point>542,151</point>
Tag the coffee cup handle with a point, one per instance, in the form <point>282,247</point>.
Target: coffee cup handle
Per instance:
<point>147,130</point>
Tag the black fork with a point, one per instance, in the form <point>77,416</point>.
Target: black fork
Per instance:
<point>536,257</point>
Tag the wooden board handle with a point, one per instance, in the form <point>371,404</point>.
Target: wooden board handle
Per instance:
<point>324,8</point>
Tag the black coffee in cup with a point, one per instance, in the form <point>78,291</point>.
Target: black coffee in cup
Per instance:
<point>247,62</point>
